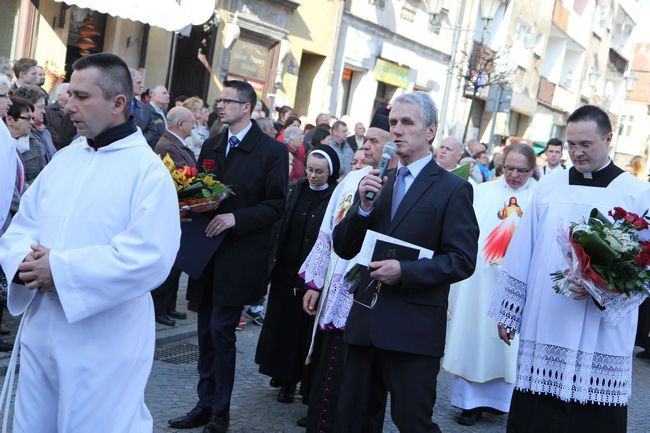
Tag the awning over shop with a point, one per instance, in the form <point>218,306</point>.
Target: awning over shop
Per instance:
<point>171,15</point>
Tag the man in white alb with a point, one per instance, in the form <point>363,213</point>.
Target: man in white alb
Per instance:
<point>574,363</point>
<point>96,231</point>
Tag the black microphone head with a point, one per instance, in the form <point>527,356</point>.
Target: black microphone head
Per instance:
<point>390,149</point>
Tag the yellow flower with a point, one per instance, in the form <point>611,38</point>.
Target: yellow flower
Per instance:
<point>208,180</point>
<point>169,163</point>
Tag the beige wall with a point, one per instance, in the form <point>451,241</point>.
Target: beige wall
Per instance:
<point>312,30</point>
<point>157,56</point>
<point>119,34</point>
<point>51,39</point>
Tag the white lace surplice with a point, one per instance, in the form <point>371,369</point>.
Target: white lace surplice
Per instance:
<point>323,270</point>
<point>567,348</point>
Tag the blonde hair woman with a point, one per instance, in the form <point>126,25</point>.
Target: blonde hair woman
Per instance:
<point>200,132</point>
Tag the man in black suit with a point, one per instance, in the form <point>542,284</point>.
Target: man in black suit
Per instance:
<point>396,328</point>
<point>256,168</point>
<point>357,139</point>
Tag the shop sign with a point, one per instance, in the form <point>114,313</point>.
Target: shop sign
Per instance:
<point>248,59</point>
<point>391,73</point>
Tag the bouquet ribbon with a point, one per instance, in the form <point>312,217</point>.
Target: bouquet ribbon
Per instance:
<point>585,265</point>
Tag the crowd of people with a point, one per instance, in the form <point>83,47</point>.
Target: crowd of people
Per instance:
<point>91,225</point>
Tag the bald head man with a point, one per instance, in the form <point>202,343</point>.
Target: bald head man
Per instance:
<point>449,153</point>
<point>180,122</point>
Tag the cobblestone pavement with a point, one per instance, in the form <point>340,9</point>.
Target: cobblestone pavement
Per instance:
<point>171,389</point>
<point>171,392</point>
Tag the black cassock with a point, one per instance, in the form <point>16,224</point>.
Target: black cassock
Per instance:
<point>285,337</point>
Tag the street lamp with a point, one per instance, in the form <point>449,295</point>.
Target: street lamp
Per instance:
<point>488,9</point>
<point>594,75</point>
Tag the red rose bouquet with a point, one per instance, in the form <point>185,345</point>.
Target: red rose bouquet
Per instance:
<point>607,257</point>
<point>197,191</point>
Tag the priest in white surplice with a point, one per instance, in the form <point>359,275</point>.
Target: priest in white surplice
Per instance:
<point>574,363</point>
<point>95,232</point>
<point>484,367</point>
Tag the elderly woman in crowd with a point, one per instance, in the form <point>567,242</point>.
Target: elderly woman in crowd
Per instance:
<point>200,132</point>
<point>293,136</point>
<point>284,341</point>
<point>19,120</point>
<point>39,132</point>
<point>483,367</point>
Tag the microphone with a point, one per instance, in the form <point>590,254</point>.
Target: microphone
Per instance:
<point>389,151</point>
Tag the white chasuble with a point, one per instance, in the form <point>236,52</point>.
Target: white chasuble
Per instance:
<point>473,349</point>
<point>110,218</point>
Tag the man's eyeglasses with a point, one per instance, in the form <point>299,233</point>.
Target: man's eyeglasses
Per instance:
<point>230,101</point>
<point>583,145</point>
<point>29,118</point>
<point>510,169</point>
<point>373,287</point>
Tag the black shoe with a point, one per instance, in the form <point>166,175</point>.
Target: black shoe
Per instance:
<point>257,317</point>
<point>286,394</point>
<point>177,315</point>
<point>644,354</point>
<point>191,306</point>
<point>217,424</point>
<point>5,346</point>
<point>273,383</point>
<point>196,417</point>
<point>165,320</point>
<point>302,422</point>
<point>469,417</point>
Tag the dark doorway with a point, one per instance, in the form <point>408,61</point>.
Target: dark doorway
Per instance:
<point>191,60</point>
<point>310,65</point>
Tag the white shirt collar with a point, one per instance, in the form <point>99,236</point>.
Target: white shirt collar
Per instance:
<point>416,166</point>
<point>588,175</point>
<point>177,136</point>
<point>240,136</point>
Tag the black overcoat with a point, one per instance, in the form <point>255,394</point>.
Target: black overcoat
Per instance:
<point>257,171</point>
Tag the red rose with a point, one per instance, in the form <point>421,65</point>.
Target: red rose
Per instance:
<point>642,260</point>
<point>208,164</point>
<point>618,213</point>
<point>193,171</point>
<point>640,224</point>
<point>630,218</point>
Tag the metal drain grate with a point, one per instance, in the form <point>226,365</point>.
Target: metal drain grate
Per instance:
<point>178,354</point>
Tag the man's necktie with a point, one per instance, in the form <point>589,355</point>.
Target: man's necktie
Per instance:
<point>399,190</point>
<point>233,142</point>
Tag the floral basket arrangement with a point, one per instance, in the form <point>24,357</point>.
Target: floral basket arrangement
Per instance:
<point>606,257</point>
<point>197,191</point>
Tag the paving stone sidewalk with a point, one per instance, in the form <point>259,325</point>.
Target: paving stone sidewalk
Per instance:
<point>171,392</point>
<point>171,388</point>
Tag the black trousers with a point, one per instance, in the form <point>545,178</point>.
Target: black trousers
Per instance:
<point>217,354</point>
<point>542,413</point>
<point>410,379</point>
<point>326,388</point>
<point>164,297</point>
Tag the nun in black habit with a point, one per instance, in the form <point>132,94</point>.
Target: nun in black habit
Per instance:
<point>286,333</point>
